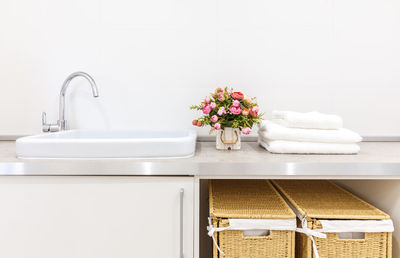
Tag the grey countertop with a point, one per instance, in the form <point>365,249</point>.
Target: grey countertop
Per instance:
<point>377,160</point>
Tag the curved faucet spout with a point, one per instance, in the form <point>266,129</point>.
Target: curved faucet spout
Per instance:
<point>62,122</point>
<point>82,74</point>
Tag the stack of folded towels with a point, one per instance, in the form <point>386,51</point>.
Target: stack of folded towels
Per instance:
<point>307,133</point>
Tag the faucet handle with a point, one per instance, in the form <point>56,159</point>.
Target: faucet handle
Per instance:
<point>43,118</point>
<point>48,127</point>
<point>45,126</point>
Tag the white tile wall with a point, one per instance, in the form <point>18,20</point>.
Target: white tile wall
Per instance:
<point>152,59</point>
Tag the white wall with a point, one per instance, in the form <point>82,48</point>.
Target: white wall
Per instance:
<point>154,58</point>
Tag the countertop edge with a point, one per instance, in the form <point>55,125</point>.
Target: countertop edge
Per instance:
<point>375,161</point>
<point>212,170</point>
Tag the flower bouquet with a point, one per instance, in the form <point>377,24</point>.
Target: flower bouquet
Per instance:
<point>230,113</point>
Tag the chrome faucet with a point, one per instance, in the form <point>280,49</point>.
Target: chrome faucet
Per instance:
<point>62,123</point>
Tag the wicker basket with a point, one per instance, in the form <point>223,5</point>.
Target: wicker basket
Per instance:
<point>319,202</point>
<point>249,200</point>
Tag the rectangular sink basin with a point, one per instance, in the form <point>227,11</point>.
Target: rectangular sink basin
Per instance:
<point>108,144</point>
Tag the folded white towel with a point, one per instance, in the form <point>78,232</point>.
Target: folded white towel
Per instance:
<point>312,120</point>
<point>290,147</point>
<point>273,131</point>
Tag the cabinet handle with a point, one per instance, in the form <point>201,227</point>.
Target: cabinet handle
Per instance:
<point>181,192</point>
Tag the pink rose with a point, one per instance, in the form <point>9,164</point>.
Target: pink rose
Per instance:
<point>214,118</point>
<point>246,130</point>
<point>236,103</point>
<point>213,105</point>
<point>206,109</point>
<point>221,111</point>
<point>254,111</point>
<point>221,97</point>
<point>235,110</point>
<point>217,126</point>
<point>207,100</point>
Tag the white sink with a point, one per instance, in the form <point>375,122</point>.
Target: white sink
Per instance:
<point>108,144</point>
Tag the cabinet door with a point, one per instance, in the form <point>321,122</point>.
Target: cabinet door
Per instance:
<point>95,217</point>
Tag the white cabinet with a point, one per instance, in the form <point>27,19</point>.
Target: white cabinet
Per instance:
<point>95,217</point>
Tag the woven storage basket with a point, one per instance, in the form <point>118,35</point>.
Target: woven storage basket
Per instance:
<point>320,202</point>
<point>254,200</point>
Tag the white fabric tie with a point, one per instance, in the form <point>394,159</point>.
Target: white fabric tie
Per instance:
<point>212,230</point>
<point>311,234</point>
<point>304,228</point>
